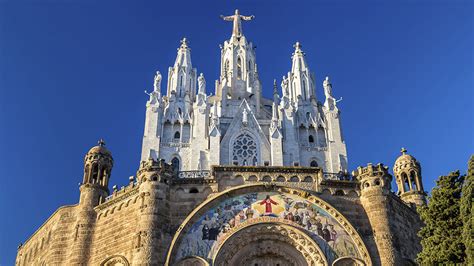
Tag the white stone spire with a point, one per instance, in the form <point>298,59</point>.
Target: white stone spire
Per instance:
<point>182,76</point>
<point>299,62</point>
<point>300,81</point>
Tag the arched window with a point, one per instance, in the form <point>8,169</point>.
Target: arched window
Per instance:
<point>250,65</point>
<point>313,163</point>
<point>413,180</point>
<point>177,135</point>
<point>405,184</point>
<point>175,164</point>
<point>322,137</point>
<point>244,150</point>
<point>95,173</point>
<point>239,68</point>
<point>311,139</point>
<point>193,190</point>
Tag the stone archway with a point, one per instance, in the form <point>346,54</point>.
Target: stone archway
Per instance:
<point>265,244</point>
<point>225,215</point>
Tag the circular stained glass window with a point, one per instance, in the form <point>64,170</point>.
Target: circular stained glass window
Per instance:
<point>244,150</point>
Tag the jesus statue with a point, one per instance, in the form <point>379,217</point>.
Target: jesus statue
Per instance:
<point>237,18</point>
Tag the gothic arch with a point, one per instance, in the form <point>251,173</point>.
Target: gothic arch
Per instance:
<point>195,220</point>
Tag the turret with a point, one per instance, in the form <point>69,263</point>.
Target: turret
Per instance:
<point>98,164</point>
<point>374,183</point>
<point>153,227</point>
<point>407,171</point>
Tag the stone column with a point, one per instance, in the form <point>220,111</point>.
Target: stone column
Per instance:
<point>375,189</point>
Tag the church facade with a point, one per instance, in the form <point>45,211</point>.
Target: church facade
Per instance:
<point>234,178</point>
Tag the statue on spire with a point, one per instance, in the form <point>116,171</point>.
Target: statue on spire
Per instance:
<point>201,84</point>
<point>237,18</point>
<point>327,88</point>
<point>157,82</point>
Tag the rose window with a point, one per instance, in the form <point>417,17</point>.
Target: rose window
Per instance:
<point>244,150</point>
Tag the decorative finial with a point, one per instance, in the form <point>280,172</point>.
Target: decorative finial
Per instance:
<point>403,151</point>
<point>101,142</point>
<point>297,45</point>
<point>184,43</point>
<point>275,87</point>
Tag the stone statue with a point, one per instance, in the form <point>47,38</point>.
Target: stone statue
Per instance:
<point>157,83</point>
<point>284,86</point>
<point>201,84</point>
<point>237,18</point>
<point>244,117</point>
<point>327,88</point>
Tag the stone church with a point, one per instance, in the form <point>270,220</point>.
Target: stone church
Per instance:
<point>233,178</point>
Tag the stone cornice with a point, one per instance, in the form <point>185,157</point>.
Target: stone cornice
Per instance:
<point>266,169</point>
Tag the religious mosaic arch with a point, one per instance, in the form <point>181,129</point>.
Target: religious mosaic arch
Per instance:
<point>306,228</point>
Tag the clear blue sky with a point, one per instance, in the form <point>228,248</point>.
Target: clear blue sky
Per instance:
<point>73,71</point>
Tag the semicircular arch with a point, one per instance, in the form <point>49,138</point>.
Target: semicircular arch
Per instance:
<point>212,219</point>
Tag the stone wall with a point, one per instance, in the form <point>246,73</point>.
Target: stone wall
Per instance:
<point>136,223</point>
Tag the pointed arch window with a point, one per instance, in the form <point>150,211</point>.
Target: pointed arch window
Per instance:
<point>313,163</point>
<point>244,150</point>
<point>322,137</point>
<point>239,68</point>
<point>311,139</point>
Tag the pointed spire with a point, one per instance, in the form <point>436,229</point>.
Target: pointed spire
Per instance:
<point>275,87</point>
<point>184,54</point>
<point>184,43</point>
<point>297,47</point>
<point>299,62</point>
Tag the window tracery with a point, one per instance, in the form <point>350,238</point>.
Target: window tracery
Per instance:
<point>244,150</point>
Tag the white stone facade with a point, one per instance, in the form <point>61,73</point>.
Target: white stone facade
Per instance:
<point>237,126</point>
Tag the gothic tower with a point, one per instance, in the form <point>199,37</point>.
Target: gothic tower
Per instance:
<point>407,171</point>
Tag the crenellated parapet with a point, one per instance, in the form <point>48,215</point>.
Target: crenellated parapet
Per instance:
<point>373,177</point>
<point>155,170</point>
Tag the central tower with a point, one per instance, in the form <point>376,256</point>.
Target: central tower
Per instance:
<point>238,75</point>
<point>193,131</point>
